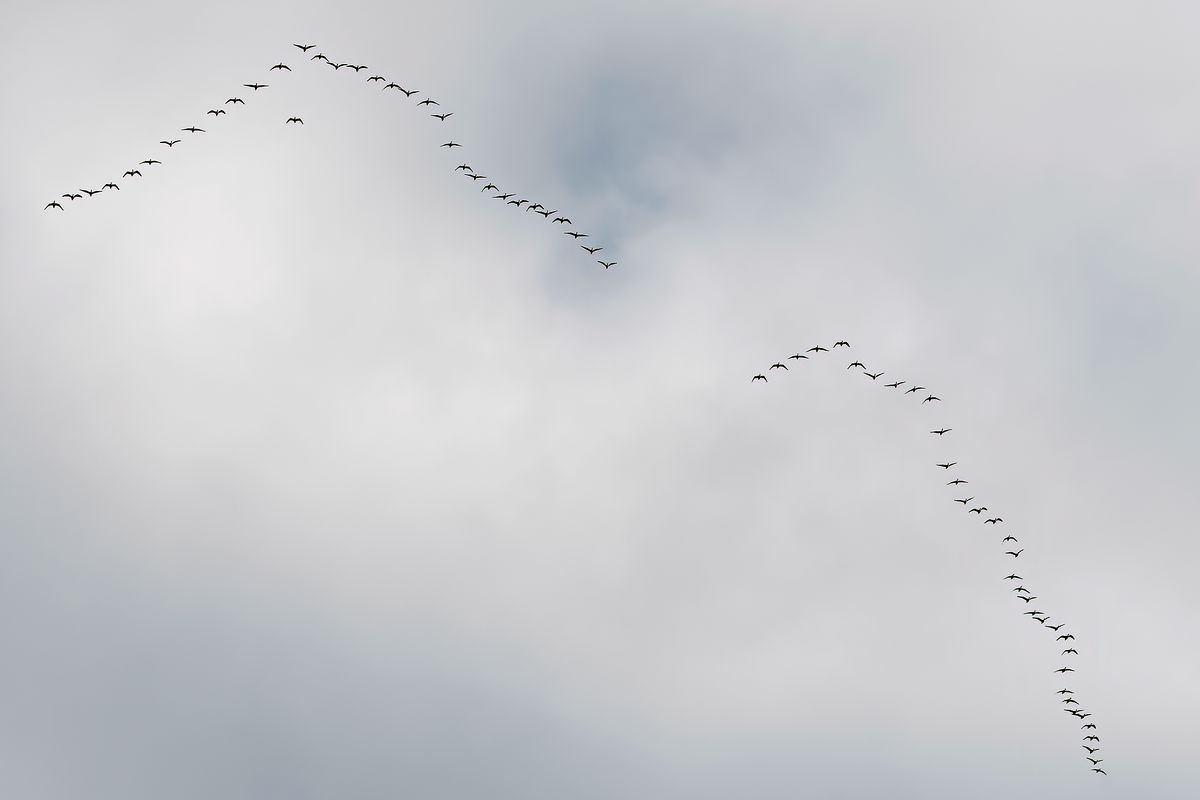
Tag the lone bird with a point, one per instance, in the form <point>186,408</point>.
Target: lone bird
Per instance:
<point>171,143</point>
<point>256,86</point>
<point>53,204</point>
<point>294,119</point>
<point>591,250</point>
<point>1016,554</point>
<point>942,431</point>
<point>758,378</point>
<point>280,65</point>
<point>451,145</point>
<point>608,264</point>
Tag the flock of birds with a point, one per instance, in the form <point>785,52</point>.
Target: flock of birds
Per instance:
<point>1091,740</point>
<point>1009,543</point>
<point>554,216</point>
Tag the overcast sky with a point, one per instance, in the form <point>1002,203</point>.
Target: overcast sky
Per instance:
<point>324,474</point>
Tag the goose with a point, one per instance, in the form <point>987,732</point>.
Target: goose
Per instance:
<point>607,264</point>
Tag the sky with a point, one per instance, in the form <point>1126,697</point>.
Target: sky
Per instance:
<point>326,474</point>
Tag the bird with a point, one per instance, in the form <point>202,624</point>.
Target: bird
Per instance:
<point>517,203</point>
<point>931,397</point>
<point>381,78</point>
<point>442,117</point>
<point>1091,726</point>
<point>408,93</point>
<point>895,385</point>
<point>150,162</point>
<point>451,144</point>
<point>428,102</point>
<point>979,510</point>
<point>304,48</point>
<point>575,234</point>
<point>993,521</point>
<point>235,101</point>
<point>563,220</point>
<point>216,112</point>
<point>280,65</point>
<point>320,56</point>
<point>489,186</point>
<point>1042,620</point>
<point>1028,598</point>
<point>965,500</point>
<point>956,482</point>
<point>942,431</point>
<point>1070,650</point>
<point>357,67</point>
<point>818,349</point>
<point>1016,554</point>
<point>1021,589</point>
<point>1064,691</point>
<point>914,389</point>
<point>591,250</point>
<point>841,344</point>
<point>129,173</point>
<point>546,214</point>
<point>171,143</point>
<point>294,119</point>
<point>475,177</point>
<point>872,375</point>
<point>856,364</point>
<point>1056,627</point>
<point>53,204</point>
<point>1097,769</point>
<point>1013,578</point>
<point>797,356</point>
<point>503,196</point>
<point>256,86</point>
<point>1094,760</point>
<point>948,466</point>
<point>388,86</point>
<point>1091,738</point>
<point>1008,539</point>
<point>111,186</point>
<point>1071,700</point>
<point>89,192</point>
<point>778,365</point>
<point>607,264</point>
<point>758,378</point>
<point>72,196</point>
<point>463,168</point>
<point>192,129</point>
<point>1066,637</point>
<point>1091,749</point>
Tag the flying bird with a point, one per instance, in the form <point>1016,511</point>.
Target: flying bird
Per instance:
<point>1066,637</point>
<point>564,220</point>
<point>947,466</point>
<point>818,349</point>
<point>1091,749</point>
<point>1097,769</point>
<point>1013,578</point>
<point>489,186</point>
<point>1094,760</point>
<point>408,93</point>
<point>1021,589</point>
<point>71,196</point>
<point>357,67</point>
<point>389,85</point>
<point>256,86</point>
<point>856,364</point>
<point>575,234</point>
<point>942,431</point>
<point>463,168</point>
<point>1090,725</point>
<point>1070,650</point>
<point>777,365</point>
<point>294,119</point>
<point>304,48</point>
<point>150,162</point>
<point>381,78</point>
<point>89,192</point>
<point>931,397</point>
<point>235,101</point>
<point>129,173</point>
<point>956,482</point>
<point>965,500</point>
<point>216,112</point>
<point>1056,627</point>
<point>428,102</point>
<point>442,117</point>
<point>797,355</point>
<point>895,385</point>
<point>607,264</point>
<point>758,378</point>
<point>591,250</point>
<point>1028,598</point>
<point>280,65</point>
<point>1091,738</point>
<point>1064,691</point>
<point>979,510</point>
<point>1016,554</point>
<point>1071,700</point>
<point>171,143</point>
<point>841,344</point>
<point>914,389</point>
<point>111,186</point>
<point>1008,539</point>
<point>872,375</point>
<point>193,129</point>
<point>503,196</point>
<point>53,204</point>
<point>451,144</point>
<point>992,521</point>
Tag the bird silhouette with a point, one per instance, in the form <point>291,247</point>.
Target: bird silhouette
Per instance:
<point>1028,598</point>
<point>489,186</point>
<point>294,119</point>
<point>942,431</point>
<point>463,168</point>
<point>1008,539</point>
<point>856,364</point>
<point>1013,578</point>
<point>442,117</point>
<point>895,385</point>
<point>503,196</point>
<point>428,102</point>
<point>1089,726</point>
<point>1091,738</point>
<point>993,521</point>
<point>914,389</point>
<point>1021,589</point>
<point>591,250</point>
<point>1070,650</point>
<point>1097,769</point>
<point>1064,691</point>
<point>956,482</point>
<point>931,397</point>
<point>1066,637</point>
<point>150,162</point>
<point>111,186</point>
<point>607,264</point>
<point>390,85</point>
<point>357,67</point>
<point>1056,627</point>
<point>451,144</point>
<point>72,196</point>
<point>280,65</point>
<point>256,86</point>
<point>778,365</point>
<point>758,378</point>
<point>235,101</point>
<point>575,234</point>
<point>171,143</point>
<point>965,500</point>
<point>53,204</point>
<point>1091,749</point>
<point>979,510</point>
<point>381,78</point>
<point>90,192</point>
<point>129,173</point>
<point>408,93</point>
<point>216,112</point>
<point>1016,554</point>
<point>797,356</point>
<point>841,344</point>
<point>193,129</point>
<point>872,375</point>
<point>320,56</point>
<point>947,466</point>
<point>304,48</point>
<point>563,220</point>
<point>1071,700</point>
<point>818,349</point>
